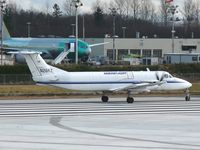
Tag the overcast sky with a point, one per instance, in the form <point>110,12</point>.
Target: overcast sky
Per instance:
<point>41,4</point>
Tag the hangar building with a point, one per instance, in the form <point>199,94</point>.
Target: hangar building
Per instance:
<point>144,47</point>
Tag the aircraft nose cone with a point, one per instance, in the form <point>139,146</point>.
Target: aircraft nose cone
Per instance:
<point>189,84</point>
<point>89,50</point>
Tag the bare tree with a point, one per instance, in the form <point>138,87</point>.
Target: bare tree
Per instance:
<point>47,5</point>
<point>146,8</point>
<point>120,5</point>
<point>153,14</point>
<point>127,8</point>
<point>13,6</point>
<point>135,8</point>
<point>189,15</point>
<point>68,8</point>
<point>189,10</point>
<point>197,11</point>
<point>96,4</point>
<point>106,7</point>
<point>164,12</point>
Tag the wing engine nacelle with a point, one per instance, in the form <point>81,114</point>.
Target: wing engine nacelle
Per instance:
<point>19,59</point>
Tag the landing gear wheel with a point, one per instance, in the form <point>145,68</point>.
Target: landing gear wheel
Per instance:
<point>187,98</point>
<point>104,99</point>
<point>130,100</point>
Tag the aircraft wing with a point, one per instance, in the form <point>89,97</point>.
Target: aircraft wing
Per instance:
<point>98,44</point>
<point>137,86</point>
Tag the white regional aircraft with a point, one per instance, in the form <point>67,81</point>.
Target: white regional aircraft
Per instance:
<point>108,81</point>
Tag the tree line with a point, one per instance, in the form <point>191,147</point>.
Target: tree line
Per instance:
<point>141,16</point>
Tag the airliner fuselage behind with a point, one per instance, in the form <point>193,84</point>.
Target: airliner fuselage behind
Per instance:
<point>49,46</point>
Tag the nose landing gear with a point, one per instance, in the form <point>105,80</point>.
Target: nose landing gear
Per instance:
<point>187,95</point>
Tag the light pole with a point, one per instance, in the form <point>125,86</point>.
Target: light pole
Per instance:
<point>29,29</point>
<point>173,10</point>
<point>77,4</point>
<point>124,32</point>
<point>114,13</point>
<point>73,25</point>
<point>2,4</point>
<point>83,28</point>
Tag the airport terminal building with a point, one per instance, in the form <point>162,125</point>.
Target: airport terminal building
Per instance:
<point>146,48</point>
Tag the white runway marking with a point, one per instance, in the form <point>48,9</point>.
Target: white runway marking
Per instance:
<point>149,123</point>
<point>75,107</point>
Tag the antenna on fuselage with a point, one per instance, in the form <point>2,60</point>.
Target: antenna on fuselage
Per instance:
<point>148,70</point>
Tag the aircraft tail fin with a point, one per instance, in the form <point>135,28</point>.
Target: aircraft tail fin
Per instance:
<point>40,70</point>
<point>6,34</point>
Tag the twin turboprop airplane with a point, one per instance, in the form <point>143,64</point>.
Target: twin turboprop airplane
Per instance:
<point>130,81</point>
<point>48,46</point>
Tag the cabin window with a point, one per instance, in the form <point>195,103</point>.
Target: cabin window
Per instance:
<point>83,46</point>
<point>166,76</point>
<point>170,76</point>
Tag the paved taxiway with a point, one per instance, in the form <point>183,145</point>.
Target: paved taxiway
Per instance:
<point>155,123</point>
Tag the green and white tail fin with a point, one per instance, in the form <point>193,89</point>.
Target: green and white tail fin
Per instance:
<point>6,34</point>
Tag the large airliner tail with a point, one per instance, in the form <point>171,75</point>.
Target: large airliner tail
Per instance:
<point>6,34</point>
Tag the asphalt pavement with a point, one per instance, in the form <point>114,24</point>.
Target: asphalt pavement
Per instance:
<point>156,123</point>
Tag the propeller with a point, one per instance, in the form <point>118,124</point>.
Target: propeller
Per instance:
<point>160,78</point>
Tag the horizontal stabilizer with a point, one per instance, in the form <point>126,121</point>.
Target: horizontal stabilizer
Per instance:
<point>24,52</point>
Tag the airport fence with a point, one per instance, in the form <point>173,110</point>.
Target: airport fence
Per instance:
<point>10,79</point>
<point>192,77</point>
<point>21,79</point>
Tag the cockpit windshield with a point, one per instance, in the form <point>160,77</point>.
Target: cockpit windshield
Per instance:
<point>167,75</point>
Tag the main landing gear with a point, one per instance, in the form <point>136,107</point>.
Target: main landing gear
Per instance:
<point>187,95</point>
<point>129,98</point>
<point>104,99</point>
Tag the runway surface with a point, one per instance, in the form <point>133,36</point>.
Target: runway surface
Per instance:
<point>157,123</point>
